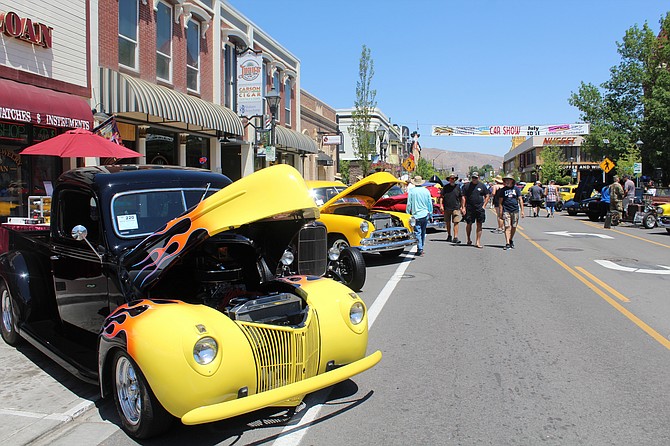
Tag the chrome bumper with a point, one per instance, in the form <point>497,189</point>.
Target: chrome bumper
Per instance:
<point>228,409</point>
<point>388,246</point>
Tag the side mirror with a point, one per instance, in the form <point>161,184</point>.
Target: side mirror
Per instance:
<point>79,232</point>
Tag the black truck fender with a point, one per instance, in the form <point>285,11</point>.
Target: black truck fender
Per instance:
<point>30,284</point>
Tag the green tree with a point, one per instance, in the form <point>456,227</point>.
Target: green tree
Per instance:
<point>424,169</point>
<point>634,103</point>
<point>553,165</point>
<point>344,171</point>
<point>363,140</point>
<point>625,162</point>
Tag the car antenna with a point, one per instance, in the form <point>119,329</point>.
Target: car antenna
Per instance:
<point>206,190</point>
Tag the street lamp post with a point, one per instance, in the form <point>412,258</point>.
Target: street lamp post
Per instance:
<point>639,144</point>
<point>381,134</point>
<point>607,146</point>
<point>572,169</point>
<point>272,99</point>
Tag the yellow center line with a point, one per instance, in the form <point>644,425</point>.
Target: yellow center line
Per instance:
<point>602,284</point>
<point>588,223</point>
<point>636,320</point>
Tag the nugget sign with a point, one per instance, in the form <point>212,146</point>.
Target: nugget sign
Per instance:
<point>331,139</point>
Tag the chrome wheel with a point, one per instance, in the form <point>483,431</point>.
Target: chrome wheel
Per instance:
<point>128,390</point>
<point>7,314</point>
<point>340,244</point>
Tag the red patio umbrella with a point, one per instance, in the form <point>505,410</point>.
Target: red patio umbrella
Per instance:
<point>80,143</point>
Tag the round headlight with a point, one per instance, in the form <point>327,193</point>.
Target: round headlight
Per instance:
<point>287,258</point>
<point>412,221</point>
<point>333,254</point>
<point>659,210</point>
<point>364,227</point>
<point>204,351</point>
<point>356,313</point>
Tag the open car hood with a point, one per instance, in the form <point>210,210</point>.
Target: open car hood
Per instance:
<point>368,191</point>
<point>275,193</point>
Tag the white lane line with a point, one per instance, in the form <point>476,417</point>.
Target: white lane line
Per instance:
<point>292,435</point>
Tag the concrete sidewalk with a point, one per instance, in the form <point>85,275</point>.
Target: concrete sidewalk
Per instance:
<point>37,396</point>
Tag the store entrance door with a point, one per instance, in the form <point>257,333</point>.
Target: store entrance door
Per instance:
<point>231,162</point>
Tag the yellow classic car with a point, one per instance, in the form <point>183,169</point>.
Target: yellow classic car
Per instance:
<point>350,220</point>
<point>213,301</point>
<point>567,192</point>
<point>663,216</point>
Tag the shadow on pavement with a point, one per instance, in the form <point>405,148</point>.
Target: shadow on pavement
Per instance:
<point>233,429</point>
<point>72,383</point>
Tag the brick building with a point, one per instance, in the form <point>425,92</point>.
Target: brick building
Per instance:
<point>319,120</point>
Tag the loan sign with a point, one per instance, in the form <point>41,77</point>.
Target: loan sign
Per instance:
<point>23,28</point>
<point>512,130</point>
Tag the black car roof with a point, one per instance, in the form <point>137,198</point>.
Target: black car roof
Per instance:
<point>98,177</point>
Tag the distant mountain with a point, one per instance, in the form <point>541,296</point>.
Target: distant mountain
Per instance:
<point>460,161</point>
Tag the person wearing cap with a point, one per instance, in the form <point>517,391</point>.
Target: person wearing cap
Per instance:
<point>536,193</point>
<point>420,206</point>
<point>497,185</point>
<point>510,207</point>
<point>617,195</point>
<point>476,196</point>
<point>452,203</point>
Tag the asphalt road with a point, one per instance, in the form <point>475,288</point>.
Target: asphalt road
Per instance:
<point>563,340</point>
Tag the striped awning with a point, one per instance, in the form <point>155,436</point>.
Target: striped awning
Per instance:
<point>136,98</point>
<point>288,138</point>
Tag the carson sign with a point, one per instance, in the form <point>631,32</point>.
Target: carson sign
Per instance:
<point>12,25</point>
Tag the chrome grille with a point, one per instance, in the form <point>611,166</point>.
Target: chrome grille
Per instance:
<point>283,355</point>
<point>312,250</point>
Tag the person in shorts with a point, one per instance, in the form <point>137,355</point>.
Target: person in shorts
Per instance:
<point>510,206</point>
<point>452,204</point>
<point>476,196</point>
<point>536,193</point>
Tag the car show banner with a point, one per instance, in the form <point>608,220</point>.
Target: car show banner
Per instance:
<point>511,130</point>
<point>250,84</point>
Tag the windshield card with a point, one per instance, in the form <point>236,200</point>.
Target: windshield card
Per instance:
<point>127,222</point>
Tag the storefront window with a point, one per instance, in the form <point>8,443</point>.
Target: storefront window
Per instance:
<point>193,56</point>
<point>287,102</point>
<point>197,152</point>
<point>230,77</point>
<point>164,42</point>
<point>128,33</point>
<point>161,147</point>
<point>23,176</point>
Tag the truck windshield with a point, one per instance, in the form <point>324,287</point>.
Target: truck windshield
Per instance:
<point>139,213</point>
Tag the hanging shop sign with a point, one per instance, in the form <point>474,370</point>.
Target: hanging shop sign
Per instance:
<point>331,139</point>
<point>23,28</point>
<point>512,130</point>
<point>249,84</point>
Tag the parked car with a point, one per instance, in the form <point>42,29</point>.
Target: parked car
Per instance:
<point>567,192</point>
<point>166,288</point>
<point>392,201</point>
<point>663,216</point>
<point>352,222</point>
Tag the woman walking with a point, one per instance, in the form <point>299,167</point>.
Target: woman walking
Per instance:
<point>551,192</point>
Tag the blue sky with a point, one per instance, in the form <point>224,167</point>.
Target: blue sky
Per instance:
<point>456,62</point>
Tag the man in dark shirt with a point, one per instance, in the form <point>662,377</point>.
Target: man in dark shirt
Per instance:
<point>510,207</point>
<point>476,197</point>
<point>536,193</point>
<point>452,203</point>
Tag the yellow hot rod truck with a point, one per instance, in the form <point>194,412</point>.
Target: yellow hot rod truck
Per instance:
<point>184,295</point>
